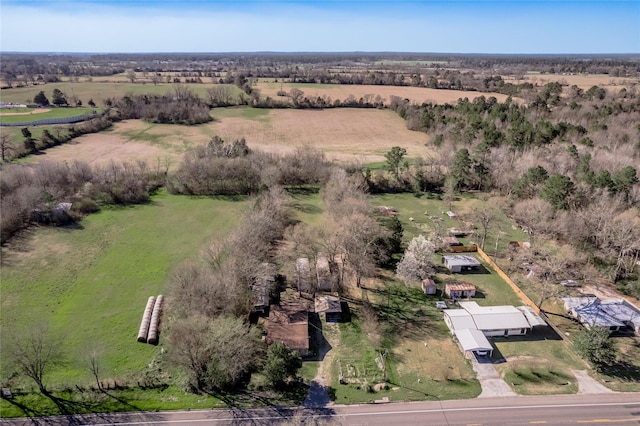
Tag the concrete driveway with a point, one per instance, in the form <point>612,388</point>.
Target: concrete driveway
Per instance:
<point>492,384</point>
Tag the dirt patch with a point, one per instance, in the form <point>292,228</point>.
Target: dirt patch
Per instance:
<point>35,111</point>
<point>100,148</point>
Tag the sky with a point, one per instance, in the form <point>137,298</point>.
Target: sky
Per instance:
<point>507,27</point>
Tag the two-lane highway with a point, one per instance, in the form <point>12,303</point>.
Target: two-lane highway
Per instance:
<point>599,409</point>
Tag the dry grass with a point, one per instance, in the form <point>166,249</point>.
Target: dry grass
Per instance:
<point>341,133</point>
<point>100,148</point>
<point>582,81</point>
<point>433,360</point>
<point>414,94</point>
<point>363,135</point>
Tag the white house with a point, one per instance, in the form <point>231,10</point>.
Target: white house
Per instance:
<point>490,320</point>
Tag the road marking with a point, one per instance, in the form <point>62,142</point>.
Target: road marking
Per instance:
<point>338,414</point>
<point>538,422</point>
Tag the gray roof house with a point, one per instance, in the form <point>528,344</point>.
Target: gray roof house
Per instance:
<point>613,314</point>
<point>490,320</point>
<point>461,262</point>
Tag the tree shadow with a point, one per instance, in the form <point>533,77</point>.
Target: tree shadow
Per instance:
<point>319,344</point>
<point>623,371</point>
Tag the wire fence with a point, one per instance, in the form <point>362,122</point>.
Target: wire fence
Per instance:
<point>49,121</point>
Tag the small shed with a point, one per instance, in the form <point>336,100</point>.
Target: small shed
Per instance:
<point>451,241</point>
<point>303,275</point>
<point>328,306</point>
<point>461,262</point>
<point>429,286</point>
<point>460,290</point>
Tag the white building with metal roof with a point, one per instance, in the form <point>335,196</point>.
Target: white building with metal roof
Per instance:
<point>490,320</point>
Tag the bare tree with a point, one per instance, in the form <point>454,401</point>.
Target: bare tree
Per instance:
<point>35,353</point>
<point>6,146</point>
<point>484,216</point>
<point>534,216</point>
<point>92,360</point>
<point>131,76</point>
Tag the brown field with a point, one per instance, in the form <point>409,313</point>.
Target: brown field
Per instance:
<point>414,94</point>
<point>101,148</point>
<point>582,81</point>
<point>343,134</point>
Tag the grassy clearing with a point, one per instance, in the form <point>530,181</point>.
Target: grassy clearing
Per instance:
<point>99,91</point>
<point>429,215</point>
<point>538,377</point>
<point>413,342</point>
<point>90,283</point>
<point>53,113</point>
<point>91,401</point>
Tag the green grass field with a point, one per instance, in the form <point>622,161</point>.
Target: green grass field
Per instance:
<point>99,91</point>
<point>428,213</point>
<point>91,283</point>
<point>53,113</point>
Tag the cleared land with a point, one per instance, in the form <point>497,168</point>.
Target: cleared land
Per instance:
<point>363,135</point>
<point>42,114</point>
<point>582,81</point>
<point>343,91</point>
<point>90,283</point>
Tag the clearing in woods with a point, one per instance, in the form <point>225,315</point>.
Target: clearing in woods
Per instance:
<point>363,135</point>
<point>343,91</point>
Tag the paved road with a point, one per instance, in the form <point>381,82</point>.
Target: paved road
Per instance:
<point>611,408</point>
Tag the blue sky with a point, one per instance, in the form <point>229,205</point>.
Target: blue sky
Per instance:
<point>524,26</point>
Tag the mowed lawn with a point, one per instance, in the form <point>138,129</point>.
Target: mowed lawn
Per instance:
<point>90,284</point>
<point>43,114</point>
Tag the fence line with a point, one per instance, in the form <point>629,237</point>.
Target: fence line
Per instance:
<point>63,120</point>
<point>509,281</point>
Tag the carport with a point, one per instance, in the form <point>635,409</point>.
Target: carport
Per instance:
<point>473,341</point>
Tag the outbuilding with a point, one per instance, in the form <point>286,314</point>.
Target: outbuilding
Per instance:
<point>460,290</point>
<point>429,286</point>
<point>329,307</point>
<point>461,262</point>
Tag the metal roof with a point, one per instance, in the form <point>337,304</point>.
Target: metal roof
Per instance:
<point>459,319</point>
<point>473,340</point>
<point>461,260</point>
<point>494,317</point>
<point>533,318</point>
<point>603,313</point>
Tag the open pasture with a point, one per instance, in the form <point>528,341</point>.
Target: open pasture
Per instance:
<point>416,95</point>
<point>363,135</point>
<point>35,114</point>
<point>583,81</point>
<point>99,91</point>
<point>90,282</point>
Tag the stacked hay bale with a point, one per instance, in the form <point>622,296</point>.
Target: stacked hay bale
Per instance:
<point>146,320</point>
<point>155,321</point>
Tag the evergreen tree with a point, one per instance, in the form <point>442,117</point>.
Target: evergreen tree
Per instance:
<point>41,99</point>
<point>557,191</point>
